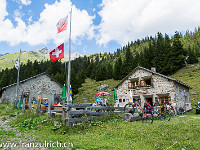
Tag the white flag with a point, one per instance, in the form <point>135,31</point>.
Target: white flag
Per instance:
<point>17,63</point>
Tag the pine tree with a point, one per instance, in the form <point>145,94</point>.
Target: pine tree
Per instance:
<point>176,55</point>
<point>117,71</point>
<point>167,49</point>
<point>159,53</point>
<point>192,56</point>
<point>128,62</point>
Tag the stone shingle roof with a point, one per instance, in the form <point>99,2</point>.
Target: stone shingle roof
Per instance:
<point>164,76</point>
<point>44,73</point>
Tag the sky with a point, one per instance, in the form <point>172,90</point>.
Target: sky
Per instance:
<point>96,25</point>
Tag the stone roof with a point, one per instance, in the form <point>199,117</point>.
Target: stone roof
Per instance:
<point>44,73</point>
<point>153,72</point>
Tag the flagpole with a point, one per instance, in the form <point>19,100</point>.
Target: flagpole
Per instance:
<point>17,88</point>
<point>69,63</point>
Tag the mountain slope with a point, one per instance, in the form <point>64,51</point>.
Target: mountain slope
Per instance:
<point>8,60</point>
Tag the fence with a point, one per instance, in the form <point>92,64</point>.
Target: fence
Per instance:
<point>80,112</point>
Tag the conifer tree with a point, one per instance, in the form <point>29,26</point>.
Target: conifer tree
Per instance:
<point>176,55</point>
<point>192,56</point>
<point>128,62</point>
<point>117,71</point>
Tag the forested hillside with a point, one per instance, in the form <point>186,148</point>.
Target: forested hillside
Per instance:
<point>165,53</point>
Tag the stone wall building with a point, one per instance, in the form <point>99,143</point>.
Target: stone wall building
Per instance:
<point>31,87</point>
<point>149,86</point>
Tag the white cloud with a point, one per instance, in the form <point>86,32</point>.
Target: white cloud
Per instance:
<point>128,20</point>
<point>18,13</point>
<point>43,30</point>
<point>3,11</point>
<point>30,20</point>
<point>25,2</point>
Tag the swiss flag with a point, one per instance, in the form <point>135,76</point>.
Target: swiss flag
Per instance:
<point>57,53</point>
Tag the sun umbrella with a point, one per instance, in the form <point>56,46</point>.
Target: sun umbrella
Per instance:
<point>103,94</point>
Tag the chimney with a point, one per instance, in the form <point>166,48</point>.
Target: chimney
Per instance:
<point>153,69</point>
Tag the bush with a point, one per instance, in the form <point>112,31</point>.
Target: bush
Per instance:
<point>4,118</point>
<point>30,123</point>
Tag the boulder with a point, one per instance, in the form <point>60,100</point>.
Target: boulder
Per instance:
<point>130,117</point>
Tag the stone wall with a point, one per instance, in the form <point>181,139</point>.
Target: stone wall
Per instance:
<point>41,83</point>
<point>161,86</point>
<point>182,97</point>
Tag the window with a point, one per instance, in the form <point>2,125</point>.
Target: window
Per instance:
<point>143,83</point>
<point>148,82</point>
<point>132,85</point>
<point>186,99</point>
<point>136,83</point>
<point>120,100</point>
<point>164,99</point>
<point>124,100</point>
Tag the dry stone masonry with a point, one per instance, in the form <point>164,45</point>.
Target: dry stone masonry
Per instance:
<point>150,86</point>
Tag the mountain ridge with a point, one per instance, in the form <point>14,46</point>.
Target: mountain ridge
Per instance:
<point>8,60</point>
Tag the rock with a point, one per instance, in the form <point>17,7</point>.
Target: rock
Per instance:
<point>194,93</point>
<point>103,87</point>
<point>56,123</point>
<point>130,117</point>
<point>44,121</point>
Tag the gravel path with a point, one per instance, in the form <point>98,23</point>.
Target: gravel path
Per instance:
<point>20,139</point>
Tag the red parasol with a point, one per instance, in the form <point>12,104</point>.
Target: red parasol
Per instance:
<point>103,94</point>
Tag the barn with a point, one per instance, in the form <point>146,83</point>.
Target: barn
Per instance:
<point>30,88</point>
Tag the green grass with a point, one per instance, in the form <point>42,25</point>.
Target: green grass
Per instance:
<point>6,134</point>
<point>113,133</point>
<point>109,132</point>
<point>7,110</point>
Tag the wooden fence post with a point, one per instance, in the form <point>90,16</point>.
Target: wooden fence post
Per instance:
<point>29,105</point>
<point>64,111</point>
<point>38,106</point>
<point>49,108</point>
<point>23,107</point>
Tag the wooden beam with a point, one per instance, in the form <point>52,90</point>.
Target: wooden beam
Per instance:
<point>38,105</point>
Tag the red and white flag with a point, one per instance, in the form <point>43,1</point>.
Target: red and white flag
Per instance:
<point>57,53</point>
<point>62,24</point>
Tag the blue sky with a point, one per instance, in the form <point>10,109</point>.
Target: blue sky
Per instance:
<point>97,25</point>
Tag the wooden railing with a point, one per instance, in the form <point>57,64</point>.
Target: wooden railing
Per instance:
<point>80,112</point>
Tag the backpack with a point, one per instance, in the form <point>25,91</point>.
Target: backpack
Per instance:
<point>147,107</point>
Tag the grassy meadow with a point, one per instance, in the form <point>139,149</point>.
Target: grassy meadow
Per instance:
<point>109,132</point>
